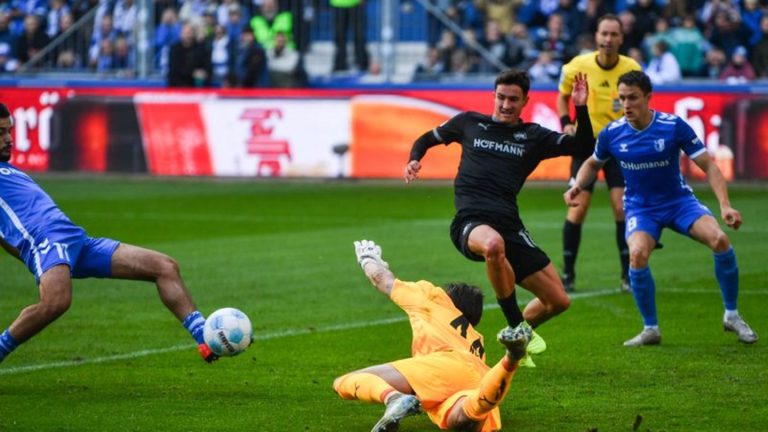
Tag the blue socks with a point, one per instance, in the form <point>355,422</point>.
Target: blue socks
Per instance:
<point>194,323</point>
<point>7,344</point>
<point>644,291</point>
<point>727,274</point>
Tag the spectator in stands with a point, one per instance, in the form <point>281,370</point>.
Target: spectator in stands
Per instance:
<point>727,32</point>
<point>20,9</point>
<point>496,45</point>
<point>688,45</point>
<point>738,70</point>
<point>633,36</point>
<point>636,54</point>
<point>67,59</point>
<point>593,10</point>
<point>222,11</point>
<point>8,44</point>
<point>751,14</point>
<point>760,52</point>
<point>521,47</point>
<point>646,13</point>
<point>167,33</point>
<point>501,11</point>
<point>270,22</point>
<point>192,11</point>
<point>123,58</point>
<point>431,68</point>
<point>546,69</point>
<point>189,62</point>
<point>714,63</point>
<point>32,40</point>
<point>349,14</point>
<point>574,16</point>
<point>446,48</point>
<point>251,61</point>
<point>81,7</point>
<point>105,59</point>
<point>235,21</point>
<point>661,33</point>
<point>663,67</point>
<point>676,10</point>
<point>104,31</point>
<point>555,39</point>
<point>124,18</point>
<point>53,18</point>
<point>282,63</point>
<point>223,54</point>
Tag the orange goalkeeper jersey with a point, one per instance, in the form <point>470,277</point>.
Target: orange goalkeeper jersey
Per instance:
<point>436,323</point>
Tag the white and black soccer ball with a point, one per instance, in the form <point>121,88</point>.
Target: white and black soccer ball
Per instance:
<point>228,332</point>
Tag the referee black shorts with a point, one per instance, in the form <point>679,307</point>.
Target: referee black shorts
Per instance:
<point>522,253</point>
<point>611,170</point>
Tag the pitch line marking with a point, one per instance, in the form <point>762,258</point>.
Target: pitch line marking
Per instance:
<point>283,334</point>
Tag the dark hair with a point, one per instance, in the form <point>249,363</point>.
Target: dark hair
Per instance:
<point>610,17</point>
<point>468,299</point>
<point>638,79</point>
<point>514,77</point>
<point>4,112</point>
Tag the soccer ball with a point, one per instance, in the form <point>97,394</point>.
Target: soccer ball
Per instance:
<point>228,332</point>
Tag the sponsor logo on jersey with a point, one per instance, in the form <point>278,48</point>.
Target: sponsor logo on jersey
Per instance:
<point>659,145</point>
<point>484,126</point>
<point>639,166</point>
<point>505,147</point>
<point>605,84</point>
<point>623,148</point>
<point>520,136</point>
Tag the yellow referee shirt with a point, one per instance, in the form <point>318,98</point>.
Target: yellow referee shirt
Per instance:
<point>603,101</point>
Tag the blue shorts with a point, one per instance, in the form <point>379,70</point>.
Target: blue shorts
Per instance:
<point>679,215</point>
<point>85,256</point>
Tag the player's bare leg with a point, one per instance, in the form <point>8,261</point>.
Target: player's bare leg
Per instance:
<point>137,263</point>
<point>551,298</point>
<point>55,298</point>
<point>574,220</point>
<point>707,231</point>
<point>488,243</point>
<point>380,384</point>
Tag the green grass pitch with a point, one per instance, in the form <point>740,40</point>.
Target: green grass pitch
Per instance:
<point>282,252</point>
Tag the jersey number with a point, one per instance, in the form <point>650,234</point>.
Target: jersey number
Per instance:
<point>461,323</point>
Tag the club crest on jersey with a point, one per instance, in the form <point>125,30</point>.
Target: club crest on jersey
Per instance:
<point>520,136</point>
<point>623,147</point>
<point>659,145</point>
<point>484,126</point>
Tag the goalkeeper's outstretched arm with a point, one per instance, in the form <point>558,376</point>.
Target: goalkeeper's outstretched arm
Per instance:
<point>375,268</point>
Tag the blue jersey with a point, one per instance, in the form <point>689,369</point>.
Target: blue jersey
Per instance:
<point>650,158</point>
<point>26,211</point>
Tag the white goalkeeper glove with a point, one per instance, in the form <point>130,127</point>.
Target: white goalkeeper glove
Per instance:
<point>366,251</point>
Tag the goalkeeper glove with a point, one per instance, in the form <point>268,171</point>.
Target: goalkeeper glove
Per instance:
<point>366,251</point>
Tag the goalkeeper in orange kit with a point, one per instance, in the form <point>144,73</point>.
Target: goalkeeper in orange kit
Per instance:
<point>446,376</point>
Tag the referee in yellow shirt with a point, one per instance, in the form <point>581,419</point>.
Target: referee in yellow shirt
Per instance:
<point>603,69</point>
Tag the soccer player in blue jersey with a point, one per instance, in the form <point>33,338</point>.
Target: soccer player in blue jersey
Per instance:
<point>55,250</point>
<point>647,144</point>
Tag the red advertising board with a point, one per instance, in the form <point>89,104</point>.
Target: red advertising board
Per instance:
<point>185,138</point>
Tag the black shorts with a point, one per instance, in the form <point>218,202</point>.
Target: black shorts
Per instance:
<point>522,253</point>
<point>611,171</point>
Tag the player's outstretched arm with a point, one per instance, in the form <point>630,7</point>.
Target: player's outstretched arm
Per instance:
<point>719,186</point>
<point>412,171</point>
<point>375,268</point>
<point>418,150</point>
<point>585,176</point>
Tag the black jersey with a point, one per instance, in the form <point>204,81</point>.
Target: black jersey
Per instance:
<point>497,158</point>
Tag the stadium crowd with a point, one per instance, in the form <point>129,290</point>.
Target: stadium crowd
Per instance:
<point>250,43</point>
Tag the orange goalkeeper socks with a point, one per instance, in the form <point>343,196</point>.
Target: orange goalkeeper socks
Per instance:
<point>362,386</point>
<point>493,388</point>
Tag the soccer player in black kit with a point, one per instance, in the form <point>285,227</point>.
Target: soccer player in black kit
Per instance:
<point>498,153</point>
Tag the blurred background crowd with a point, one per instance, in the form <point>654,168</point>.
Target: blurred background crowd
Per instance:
<point>292,43</point>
